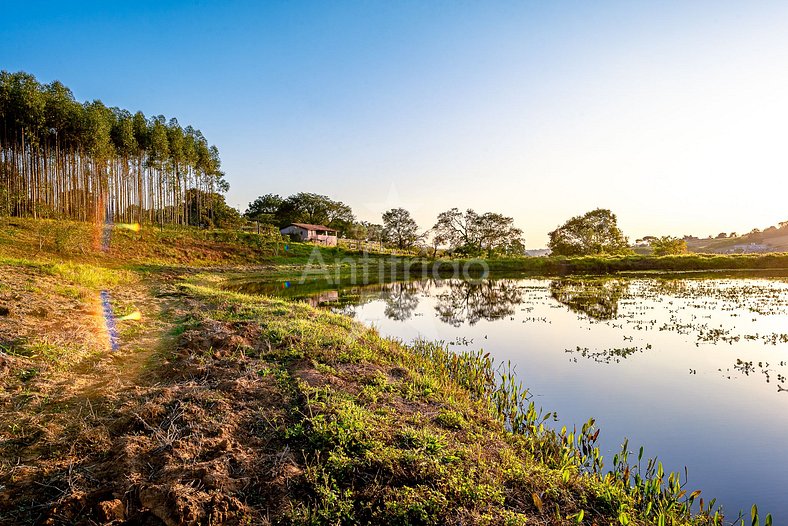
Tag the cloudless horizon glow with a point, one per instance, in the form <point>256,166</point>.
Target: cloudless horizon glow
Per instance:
<point>673,114</point>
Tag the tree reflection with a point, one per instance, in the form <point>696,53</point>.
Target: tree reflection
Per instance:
<point>471,301</point>
<point>597,299</point>
<point>402,299</point>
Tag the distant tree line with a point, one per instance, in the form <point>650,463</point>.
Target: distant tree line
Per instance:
<point>465,233</point>
<point>469,233</point>
<point>60,158</point>
<point>460,233</point>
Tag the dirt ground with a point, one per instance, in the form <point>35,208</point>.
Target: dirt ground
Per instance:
<point>139,435</point>
<point>60,380</point>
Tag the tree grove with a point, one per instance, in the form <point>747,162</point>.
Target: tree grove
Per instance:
<point>84,161</point>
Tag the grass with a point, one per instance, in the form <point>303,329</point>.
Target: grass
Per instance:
<point>150,246</point>
<point>427,436</point>
<point>371,431</point>
<point>155,247</point>
<point>86,275</point>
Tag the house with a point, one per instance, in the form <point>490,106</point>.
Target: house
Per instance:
<point>319,234</point>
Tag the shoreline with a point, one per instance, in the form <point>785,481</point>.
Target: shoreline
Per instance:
<point>226,407</point>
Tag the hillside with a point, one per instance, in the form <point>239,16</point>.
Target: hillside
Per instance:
<point>770,240</point>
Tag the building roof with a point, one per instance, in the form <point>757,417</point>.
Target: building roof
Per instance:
<point>307,226</point>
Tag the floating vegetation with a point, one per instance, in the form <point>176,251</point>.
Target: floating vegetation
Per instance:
<point>702,311</point>
<point>614,355</point>
<point>461,341</point>
<point>750,367</point>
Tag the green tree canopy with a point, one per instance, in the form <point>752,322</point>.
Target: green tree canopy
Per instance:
<point>475,234</point>
<point>209,210</point>
<point>399,228</point>
<point>315,209</point>
<point>264,209</point>
<point>595,232</point>
<point>667,246</point>
<point>374,231</point>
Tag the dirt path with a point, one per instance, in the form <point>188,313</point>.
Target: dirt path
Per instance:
<point>139,343</point>
<point>50,408</point>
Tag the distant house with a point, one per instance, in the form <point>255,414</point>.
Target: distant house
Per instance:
<point>747,248</point>
<point>319,234</point>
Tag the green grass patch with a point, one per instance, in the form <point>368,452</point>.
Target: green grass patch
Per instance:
<point>81,274</point>
<point>429,436</point>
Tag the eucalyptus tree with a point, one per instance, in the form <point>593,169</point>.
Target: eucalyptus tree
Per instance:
<point>63,159</point>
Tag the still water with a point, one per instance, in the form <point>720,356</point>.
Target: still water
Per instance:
<point>692,369</point>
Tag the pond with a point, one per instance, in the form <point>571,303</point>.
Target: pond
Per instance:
<point>693,369</point>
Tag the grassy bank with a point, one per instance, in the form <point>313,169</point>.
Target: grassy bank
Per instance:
<point>152,245</point>
<point>225,408</point>
<point>265,411</point>
<point>318,269</point>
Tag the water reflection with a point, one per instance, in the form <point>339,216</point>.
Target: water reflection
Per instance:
<point>596,298</point>
<point>322,298</point>
<point>470,301</point>
<point>402,299</point>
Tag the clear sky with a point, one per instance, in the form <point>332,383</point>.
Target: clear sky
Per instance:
<point>674,114</point>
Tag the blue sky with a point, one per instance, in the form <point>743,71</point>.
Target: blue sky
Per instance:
<point>672,114</point>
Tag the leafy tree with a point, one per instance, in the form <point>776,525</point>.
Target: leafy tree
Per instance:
<point>454,229</point>
<point>475,234</point>
<point>264,209</point>
<point>399,228</point>
<point>595,232</point>
<point>374,231</point>
<point>666,246</point>
<point>496,234</point>
<point>314,209</point>
<point>209,210</point>
<point>357,231</point>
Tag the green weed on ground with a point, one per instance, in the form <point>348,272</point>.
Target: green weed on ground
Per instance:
<point>394,434</point>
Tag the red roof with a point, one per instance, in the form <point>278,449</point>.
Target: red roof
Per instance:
<point>307,226</point>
